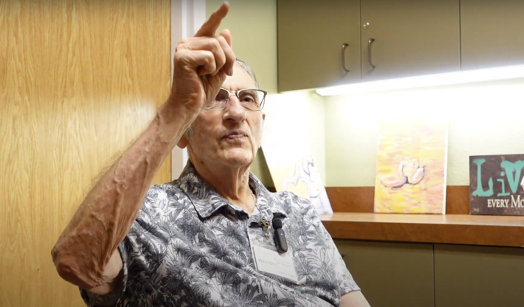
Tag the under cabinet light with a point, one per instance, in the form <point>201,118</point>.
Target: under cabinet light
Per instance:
<point>453,78</point>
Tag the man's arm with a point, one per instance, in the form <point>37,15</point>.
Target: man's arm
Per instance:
<point>86,254</point>
<point>353,299</point>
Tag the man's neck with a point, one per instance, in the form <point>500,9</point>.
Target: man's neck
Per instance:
<point>230,183</point>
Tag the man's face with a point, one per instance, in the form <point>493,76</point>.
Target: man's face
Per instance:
<point>230,137</point>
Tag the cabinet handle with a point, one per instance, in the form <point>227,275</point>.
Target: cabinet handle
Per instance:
<point>344,46</point>
<point>371,40</point>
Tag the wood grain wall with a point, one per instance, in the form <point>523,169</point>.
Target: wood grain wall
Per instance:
<point>79,80</point>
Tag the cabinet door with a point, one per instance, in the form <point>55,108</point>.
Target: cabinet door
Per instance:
<point>310,38</point>
<point>492,33</point>
<point>478,276</point>
<point>391,274</point>
<point>411,37</point>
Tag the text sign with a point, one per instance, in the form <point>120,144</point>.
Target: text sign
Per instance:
<point>496,184</point>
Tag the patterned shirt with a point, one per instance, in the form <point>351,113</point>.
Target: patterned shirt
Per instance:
<point>191,247</point>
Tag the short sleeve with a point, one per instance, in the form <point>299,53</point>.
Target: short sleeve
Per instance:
<point>323,247</point>
<point>110,299</point>
<point>343,277</point>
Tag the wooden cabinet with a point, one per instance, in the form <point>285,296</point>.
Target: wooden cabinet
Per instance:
<point>440,275</point>
<point>491,33</point>
<point>391,274</point>
<point>310,38</point>
<point>478,276</point>
<point>393,38</point>
<point>409,38</point>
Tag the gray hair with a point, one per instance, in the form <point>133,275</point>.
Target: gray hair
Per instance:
<point>249,71</point>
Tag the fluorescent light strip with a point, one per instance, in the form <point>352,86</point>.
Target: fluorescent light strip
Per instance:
<point>460,77</point>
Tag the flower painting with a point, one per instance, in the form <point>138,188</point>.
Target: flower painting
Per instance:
<point>411,166</point>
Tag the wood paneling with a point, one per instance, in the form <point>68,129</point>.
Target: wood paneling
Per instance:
<point>79,80</point>
<point>351,199</point>
<point>360,199</point>
<point>457,199</point>
<point>427,228</point>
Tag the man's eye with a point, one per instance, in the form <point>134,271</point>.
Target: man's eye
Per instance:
<point>248,99</point>
<point>222,96</point>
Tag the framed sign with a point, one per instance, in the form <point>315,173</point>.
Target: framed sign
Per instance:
<point>496,185</point>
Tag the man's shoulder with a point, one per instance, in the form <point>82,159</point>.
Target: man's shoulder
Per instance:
<point>293,203</point>
<point>163,196</point>
<point>291,197</point>
<point>171,188</point>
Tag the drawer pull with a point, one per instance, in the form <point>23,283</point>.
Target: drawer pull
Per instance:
<point>371,40</point>
<point>344,46</point>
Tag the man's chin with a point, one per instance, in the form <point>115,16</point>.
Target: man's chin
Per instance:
<point>237,157</point>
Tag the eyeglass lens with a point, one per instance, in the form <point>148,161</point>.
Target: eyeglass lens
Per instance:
<point>243,95</point>
<point>251,99</point>
<point>222,95</point>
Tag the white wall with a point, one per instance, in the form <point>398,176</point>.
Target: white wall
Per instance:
<point>485,118</point>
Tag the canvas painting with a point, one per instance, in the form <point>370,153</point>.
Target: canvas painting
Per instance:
<point>411,167</point>
<point>298,175</point>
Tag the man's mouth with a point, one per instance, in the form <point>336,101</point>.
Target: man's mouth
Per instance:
<point>234,135</point>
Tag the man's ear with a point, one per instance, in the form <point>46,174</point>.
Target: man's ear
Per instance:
<point>182,143</point>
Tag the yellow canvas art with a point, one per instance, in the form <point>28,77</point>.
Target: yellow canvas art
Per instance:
<point>411,167</point>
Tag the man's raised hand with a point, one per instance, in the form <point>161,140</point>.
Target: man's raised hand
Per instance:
<point>202,63</point>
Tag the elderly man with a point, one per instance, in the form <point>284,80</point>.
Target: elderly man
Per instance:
<point>215,236</point>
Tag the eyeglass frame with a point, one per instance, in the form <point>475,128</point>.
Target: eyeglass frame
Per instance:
<point>236,94</point>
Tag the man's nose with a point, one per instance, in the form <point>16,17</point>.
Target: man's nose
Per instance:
<point>234,109</point>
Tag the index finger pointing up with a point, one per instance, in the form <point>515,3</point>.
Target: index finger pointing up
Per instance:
<point>211,25</point>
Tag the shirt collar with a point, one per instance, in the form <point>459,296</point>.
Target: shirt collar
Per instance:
<point>207,201</point>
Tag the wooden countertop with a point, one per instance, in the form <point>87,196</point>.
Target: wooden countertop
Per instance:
<point>425,228</point>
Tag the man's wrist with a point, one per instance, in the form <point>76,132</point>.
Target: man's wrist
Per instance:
<point>173,119</point>
<point>173,112</point>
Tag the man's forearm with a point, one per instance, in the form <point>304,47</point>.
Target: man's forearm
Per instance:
<point>106,214</point>
<point>353,299</point>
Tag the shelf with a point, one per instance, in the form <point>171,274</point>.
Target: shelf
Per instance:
<point>424,228</point>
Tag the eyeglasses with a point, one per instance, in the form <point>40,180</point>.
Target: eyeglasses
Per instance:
<point>251,99</point>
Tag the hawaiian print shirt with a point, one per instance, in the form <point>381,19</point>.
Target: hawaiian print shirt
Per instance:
<point>190,247</point>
